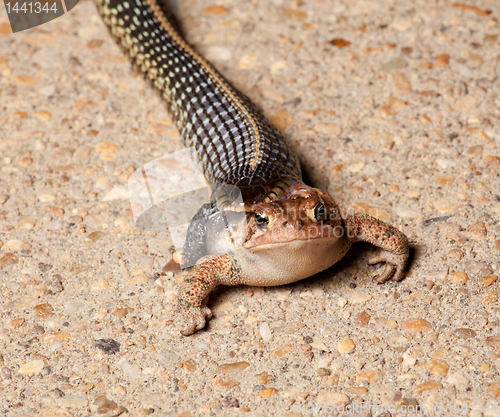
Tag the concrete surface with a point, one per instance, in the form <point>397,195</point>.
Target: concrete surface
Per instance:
<point>393,107</point>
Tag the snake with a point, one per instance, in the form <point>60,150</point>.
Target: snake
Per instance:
<point>289,230</point>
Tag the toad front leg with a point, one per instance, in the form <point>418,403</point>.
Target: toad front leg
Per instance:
<point>200,280</point>
<point>394,244</point>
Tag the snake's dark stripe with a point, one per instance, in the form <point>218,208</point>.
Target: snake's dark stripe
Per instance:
<point>234,142</point>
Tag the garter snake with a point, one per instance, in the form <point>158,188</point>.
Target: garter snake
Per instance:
<point>290,231</point>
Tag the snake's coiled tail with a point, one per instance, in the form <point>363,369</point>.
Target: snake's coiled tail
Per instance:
<point>235,144</point>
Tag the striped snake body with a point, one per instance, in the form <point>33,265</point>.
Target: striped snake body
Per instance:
<point>235,144</point>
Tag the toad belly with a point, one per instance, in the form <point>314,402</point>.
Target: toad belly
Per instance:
<point>284,263</point>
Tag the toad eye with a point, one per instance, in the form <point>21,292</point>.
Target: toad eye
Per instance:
<point>261,219</point>
<point>320,212</point>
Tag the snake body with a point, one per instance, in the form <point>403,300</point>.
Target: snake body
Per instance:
<point>234,142</point>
